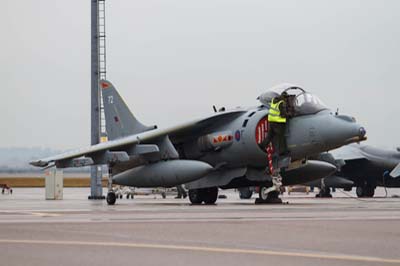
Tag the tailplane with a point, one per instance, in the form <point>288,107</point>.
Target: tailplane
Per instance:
<point>120,122</point>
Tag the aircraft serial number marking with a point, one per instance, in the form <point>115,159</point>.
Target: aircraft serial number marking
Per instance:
<point>110,99</point>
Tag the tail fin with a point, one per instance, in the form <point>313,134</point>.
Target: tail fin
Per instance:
<point>120,121</point>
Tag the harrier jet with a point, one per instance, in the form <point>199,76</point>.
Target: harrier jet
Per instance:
<point>222,150</point>
<point>362,166</point>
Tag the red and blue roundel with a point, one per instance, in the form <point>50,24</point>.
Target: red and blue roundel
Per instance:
<point>262,130</point>
<point>237,135</point>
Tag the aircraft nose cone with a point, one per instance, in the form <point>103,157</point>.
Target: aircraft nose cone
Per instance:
<point>343,130</point>
<point>362,132</point>
<point>323,132</point>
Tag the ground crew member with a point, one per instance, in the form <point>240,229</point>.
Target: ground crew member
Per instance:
<point>277,122</point>
<point>276,129</point>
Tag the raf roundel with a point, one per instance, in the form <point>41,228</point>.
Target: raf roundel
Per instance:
<point>237,135</point>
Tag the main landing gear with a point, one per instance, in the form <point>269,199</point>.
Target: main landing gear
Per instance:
<point>324,191</point>
<point>207,195</point>
<point>365,190</point>
<point>245,192</point>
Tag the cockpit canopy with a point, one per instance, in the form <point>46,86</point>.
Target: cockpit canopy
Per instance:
<point>303,102</point>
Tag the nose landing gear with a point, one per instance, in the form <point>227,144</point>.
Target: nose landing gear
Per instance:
<point>271,194</point>
<point>268,195</point>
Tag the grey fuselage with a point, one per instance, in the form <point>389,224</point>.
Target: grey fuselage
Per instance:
<point>306,135</point>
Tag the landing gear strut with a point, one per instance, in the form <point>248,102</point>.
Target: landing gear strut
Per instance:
<point>324,191</point>
<point>207,195</point>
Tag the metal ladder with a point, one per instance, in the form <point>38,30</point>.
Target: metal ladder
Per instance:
<point>101,39</point>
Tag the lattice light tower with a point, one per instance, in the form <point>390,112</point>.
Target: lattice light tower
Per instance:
<point>98,71</point>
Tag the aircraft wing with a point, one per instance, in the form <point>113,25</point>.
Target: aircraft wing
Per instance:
<point>348,153</point>
<point>395,173</point>
<point>98,154</point>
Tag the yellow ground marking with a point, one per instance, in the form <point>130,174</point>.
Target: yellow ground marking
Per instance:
<point>206,249</point>
<point>45,214</point>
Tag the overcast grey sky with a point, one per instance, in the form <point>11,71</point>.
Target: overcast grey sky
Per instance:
<point>172,60</point>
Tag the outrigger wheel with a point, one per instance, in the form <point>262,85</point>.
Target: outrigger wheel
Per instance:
<point>111,197</point>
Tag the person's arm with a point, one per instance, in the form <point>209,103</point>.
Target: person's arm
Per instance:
<point>282,109</point>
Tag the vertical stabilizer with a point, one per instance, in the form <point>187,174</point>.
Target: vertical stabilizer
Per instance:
<point>120,122</point>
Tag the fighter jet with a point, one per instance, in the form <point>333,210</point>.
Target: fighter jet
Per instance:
<point>222,150</point>
<point>362,166</point>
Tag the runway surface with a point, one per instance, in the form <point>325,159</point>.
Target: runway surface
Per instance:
<point>155,231</point>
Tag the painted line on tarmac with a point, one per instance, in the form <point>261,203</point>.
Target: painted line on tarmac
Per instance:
<point>55,218</point>
<point>206,249</point>
<point>45,214</point>
<point>35,213</point>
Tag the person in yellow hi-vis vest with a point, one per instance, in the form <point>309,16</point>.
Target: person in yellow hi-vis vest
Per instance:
<point>277,117</point>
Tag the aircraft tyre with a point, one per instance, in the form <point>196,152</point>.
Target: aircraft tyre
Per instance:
<point>348,189</point>
<point>324,193</point>
<point>360,192</point>
<point>210,195</point>
<point>245,193</point>
<point>268,198</point>
<point>366,191</point>
<point>195,196</point>
<point>273,197</point>
<point>262,194</point>
<point>369,191</point>
<point>111,198</point>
